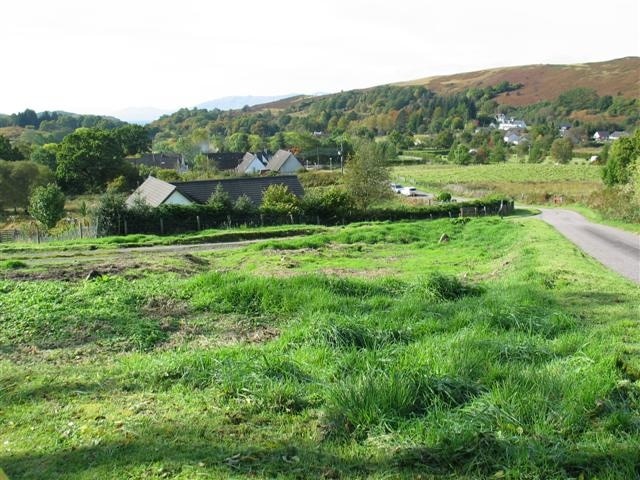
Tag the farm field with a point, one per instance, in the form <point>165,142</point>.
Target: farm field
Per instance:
<point>526,183</point>
<point>366,351</point>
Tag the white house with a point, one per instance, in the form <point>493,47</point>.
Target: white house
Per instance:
<point>508,123</point>
<point>514,138</point>
<point>251,164</point>
<point>284,161</point>
<point>155,192</point>
<point>600,136</point>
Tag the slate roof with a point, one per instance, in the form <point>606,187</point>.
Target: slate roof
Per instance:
<point>199,191</point>
<point>152,191</point>
<point>225,160</point>
<point>618,134</point>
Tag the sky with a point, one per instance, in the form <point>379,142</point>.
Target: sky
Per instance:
<point>100,56</point>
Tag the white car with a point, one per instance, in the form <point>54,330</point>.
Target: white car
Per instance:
<point>396,187</point>
<point>409,191</point>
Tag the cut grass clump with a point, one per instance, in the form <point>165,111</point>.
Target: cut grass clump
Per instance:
<point>535,322</point>
<point>353,335</point>
<point>470,451</point>
<point>384,398</point>
<point>438,287</point>
<point>12,265</point>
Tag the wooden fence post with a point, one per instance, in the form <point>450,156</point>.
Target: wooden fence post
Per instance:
<point>198,221</point>
<point>161,226</point>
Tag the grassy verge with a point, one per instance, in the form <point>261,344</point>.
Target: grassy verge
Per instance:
<point>597,217</point>
<point>369,351</point>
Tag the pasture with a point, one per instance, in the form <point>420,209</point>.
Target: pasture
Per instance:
<point>366,351</point>
<point>526,183</point>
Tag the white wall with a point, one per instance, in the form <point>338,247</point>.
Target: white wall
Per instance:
<point>292,165</point>
<point>176,198</point>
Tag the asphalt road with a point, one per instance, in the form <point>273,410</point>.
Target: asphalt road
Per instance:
<point>614,248</point>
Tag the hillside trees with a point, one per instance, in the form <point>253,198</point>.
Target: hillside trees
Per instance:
<point>134,139</point>
<point>87,159</point>
<point>17,181</point>
<point>8,151</point>
<point>46,155</point>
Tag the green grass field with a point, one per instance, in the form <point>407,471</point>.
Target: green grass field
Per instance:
<point>367,351</point>
<point>527,183</point>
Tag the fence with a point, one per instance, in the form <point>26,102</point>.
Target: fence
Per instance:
<point>31,233</point>
<point>176,219</point>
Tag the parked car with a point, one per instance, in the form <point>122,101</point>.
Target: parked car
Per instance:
<point>396,187</point>
<point>409,191</point>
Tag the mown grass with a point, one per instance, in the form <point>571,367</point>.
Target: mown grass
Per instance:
<point>371,351</point>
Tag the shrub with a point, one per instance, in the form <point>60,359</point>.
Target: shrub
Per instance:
<point>219,201</point>
<point>279,200</point>
<point>108,213</point>
<point>328,203</point>
<point>443,197</point>
<point>244,206</point>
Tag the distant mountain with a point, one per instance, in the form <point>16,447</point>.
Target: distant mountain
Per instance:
<point>140,115</point>
<point>544,82</point>
<point>237,102</point>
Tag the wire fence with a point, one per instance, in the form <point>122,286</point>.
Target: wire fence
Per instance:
<point>33,233</point>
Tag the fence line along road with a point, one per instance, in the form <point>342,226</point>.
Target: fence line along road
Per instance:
<point>35,235</point>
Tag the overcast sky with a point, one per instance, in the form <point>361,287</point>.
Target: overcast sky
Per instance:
<point>103,55</point>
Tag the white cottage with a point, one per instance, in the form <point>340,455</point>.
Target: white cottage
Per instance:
<point>284,161</point>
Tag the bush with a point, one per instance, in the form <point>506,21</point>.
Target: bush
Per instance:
<point>328,203</point>
<point>220,200</point>
<point>443,197</point>
<point>279,200</point>
<point>108,213</point>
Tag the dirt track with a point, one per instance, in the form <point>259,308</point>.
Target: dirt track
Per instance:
<point>614,248</point>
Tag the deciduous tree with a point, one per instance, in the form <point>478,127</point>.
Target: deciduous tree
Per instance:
<point>562,150</point>
<point>366,175</point>
<point>87,159</point>
<point>46,205</point>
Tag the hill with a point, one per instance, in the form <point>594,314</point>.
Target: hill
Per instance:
<point>544,82</point>
<point>237,102</point>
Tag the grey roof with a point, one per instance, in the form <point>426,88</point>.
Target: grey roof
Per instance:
<point>225,160</point>
<point>278,160</point>
<point>152,192</point>
<point>200,191</point>
<point>618,134</point>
